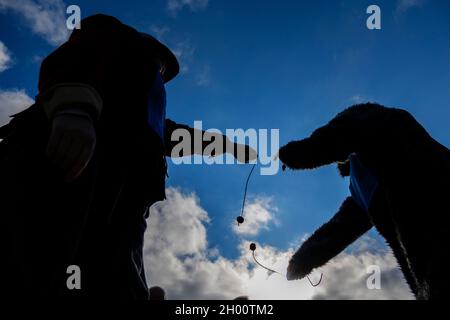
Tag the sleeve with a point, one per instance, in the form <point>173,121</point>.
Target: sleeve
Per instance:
<point>199,149</point>
<point>65,96</point>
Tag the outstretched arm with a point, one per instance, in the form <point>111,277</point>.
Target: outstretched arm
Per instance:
<point>347,225</point>
<point>242,153</point>
<point>358,126</point>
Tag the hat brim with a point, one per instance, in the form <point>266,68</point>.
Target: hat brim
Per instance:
<point>172,67</point>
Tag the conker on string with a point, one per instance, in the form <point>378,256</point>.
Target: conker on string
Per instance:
<point>252,246</point>
<point>240,219</point>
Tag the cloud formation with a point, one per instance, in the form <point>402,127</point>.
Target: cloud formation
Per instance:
<point>346,278</point>
<point>45,18</point>
<point>178,258</point>
<point>258,213</point>
<point>404,5</point>
<point>5,57</point>
<point>11,102</point>
<point>184,51</point>
<point>159,31</point>
<point>357,98</point>
<point>176,5</point>
<point>203,77</point>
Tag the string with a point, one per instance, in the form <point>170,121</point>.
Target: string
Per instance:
<point>245,189</point>
<point>315,285</point>
<point>262,266</point>
<point>273,271</point>
<point>253,246</point>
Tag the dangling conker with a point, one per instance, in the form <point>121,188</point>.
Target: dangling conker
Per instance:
<point>252,246</point>
<point>240,219</point>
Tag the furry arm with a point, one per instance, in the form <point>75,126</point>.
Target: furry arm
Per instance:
<point>347,225</point>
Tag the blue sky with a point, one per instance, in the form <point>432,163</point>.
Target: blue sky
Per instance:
<point>289,65</point>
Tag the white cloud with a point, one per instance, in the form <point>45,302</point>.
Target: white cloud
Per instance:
<point>203,77</point>
<point>184,51</point>
<point>159,31</point>
<point>258,213</point>
<point>357,98</point>
<point>177,255</point>
<point>5,57</point>
<point>46,18</point>
<point>404,5</point>
<point>176,5</point>
<point>178,258</point>
<point>260,285</point>
<point>11,102</point>
<point>345,278</point>
<point>37,59</point>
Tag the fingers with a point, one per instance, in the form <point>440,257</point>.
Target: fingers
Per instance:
<point>79,164</point>
<point>72,154</point>
<point>58,148</point>
<point>64,154</point>
<point>293,272</point>
<point>53,145</point>
<point>290,274</point>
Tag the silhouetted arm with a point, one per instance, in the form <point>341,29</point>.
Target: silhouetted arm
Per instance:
<point>345,134</point>
<point>175,133</point>
<point>347,225</point>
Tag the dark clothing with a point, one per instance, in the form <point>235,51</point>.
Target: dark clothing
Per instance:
<point>156,107</point>
<point>98,221</point>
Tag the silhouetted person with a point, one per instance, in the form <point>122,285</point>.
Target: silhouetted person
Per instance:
<point>80,168</point>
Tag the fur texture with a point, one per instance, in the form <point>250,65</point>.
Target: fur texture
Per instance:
<point>411,206</point>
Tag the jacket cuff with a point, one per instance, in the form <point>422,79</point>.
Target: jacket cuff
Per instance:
<point>69,96</point>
